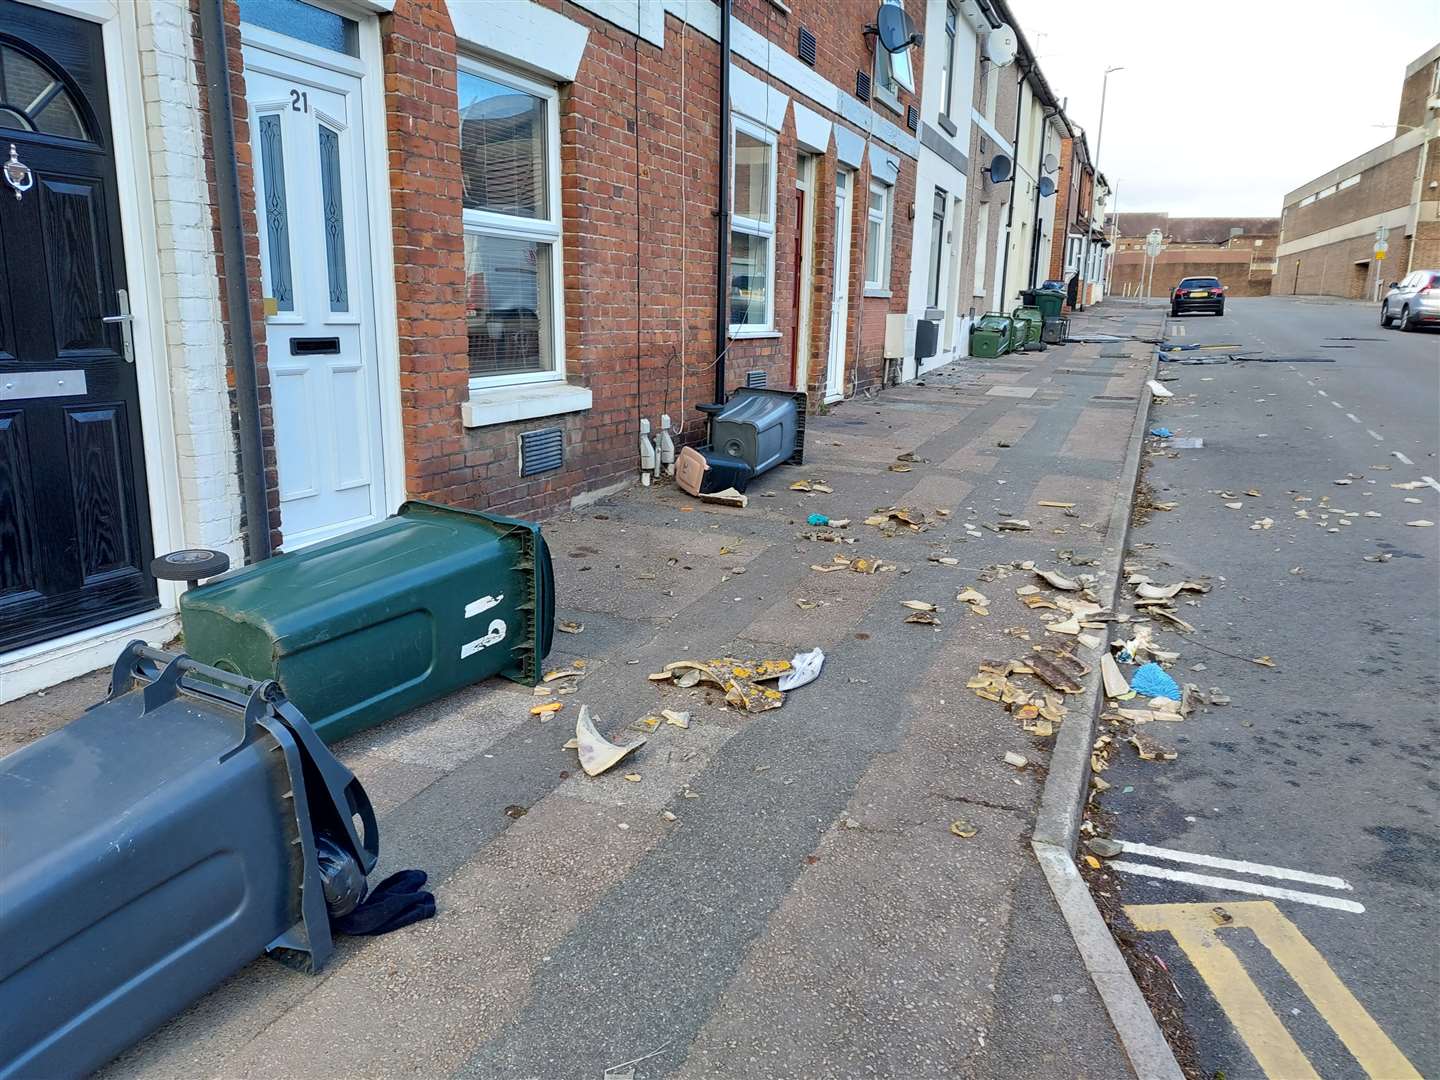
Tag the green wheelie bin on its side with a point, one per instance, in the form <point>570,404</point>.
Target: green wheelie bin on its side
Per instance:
<point>990,336</point>
<point>370,624</point>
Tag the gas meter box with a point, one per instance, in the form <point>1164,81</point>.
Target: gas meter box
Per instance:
<point>376,622</point>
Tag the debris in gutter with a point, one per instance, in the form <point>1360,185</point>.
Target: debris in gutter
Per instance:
<point>1151,750</point>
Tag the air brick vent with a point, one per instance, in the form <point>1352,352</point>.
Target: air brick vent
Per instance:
<point>806,48</point>
<point>756,379</point>
<point>862,86</point>
<point>541,451</point>
<point>912,118</point>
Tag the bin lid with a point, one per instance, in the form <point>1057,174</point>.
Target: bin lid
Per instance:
<point>93,772</point>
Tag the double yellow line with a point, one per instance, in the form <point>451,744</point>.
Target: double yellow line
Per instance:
<point>1196,929</point>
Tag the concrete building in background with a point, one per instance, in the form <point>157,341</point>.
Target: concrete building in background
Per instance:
<point>1240,251</point>
<point>1329,226</point>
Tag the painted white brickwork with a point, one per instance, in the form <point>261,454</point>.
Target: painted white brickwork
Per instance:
<point>210,506</point>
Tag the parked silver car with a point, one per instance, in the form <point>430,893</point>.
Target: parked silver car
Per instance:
<point>1415,301</point>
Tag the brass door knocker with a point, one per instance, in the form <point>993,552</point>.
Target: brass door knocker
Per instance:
<point>18,174</point>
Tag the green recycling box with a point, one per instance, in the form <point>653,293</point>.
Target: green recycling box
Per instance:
<point>365,626</point>
<point>990,336</point>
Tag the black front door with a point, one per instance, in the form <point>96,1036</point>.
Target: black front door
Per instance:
<point>74,518</point>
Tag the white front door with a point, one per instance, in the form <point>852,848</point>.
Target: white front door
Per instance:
<point>307,134</point>
<point>840,293</point>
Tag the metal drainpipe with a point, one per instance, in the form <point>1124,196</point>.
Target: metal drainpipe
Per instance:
<point>1014,183</point>
<point>1035,221</point>
<point>237,287</point>
<point>722,256</point>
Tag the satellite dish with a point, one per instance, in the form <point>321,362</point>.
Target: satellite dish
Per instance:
<point>1049,164</point>
<point>1046,186</point>
<point>1001,44</point>
<point>1000,169</point>
<point>895,29</point>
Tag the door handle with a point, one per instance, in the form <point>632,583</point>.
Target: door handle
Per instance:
<point>126,321</point>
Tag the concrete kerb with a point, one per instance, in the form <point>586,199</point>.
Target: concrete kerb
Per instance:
<point>1062,802</point>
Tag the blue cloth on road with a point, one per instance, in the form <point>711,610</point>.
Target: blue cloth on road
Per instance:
<point>817,519</point>
<point>1151,680</point>
<point>1161,432</point>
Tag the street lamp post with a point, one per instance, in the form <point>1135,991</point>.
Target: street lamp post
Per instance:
<point>1095,163</point>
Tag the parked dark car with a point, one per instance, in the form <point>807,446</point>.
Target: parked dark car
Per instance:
<point>1197,294</point>
<point>1415,301</point>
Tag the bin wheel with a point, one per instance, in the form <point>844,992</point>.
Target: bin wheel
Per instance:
<point>189,564</point>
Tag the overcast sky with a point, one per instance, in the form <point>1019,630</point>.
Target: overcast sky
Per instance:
<point>1225,105</point>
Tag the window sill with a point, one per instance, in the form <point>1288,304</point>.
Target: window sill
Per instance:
<point>880,294</point>
<point>947,125</point>
<point>889,100</point>
<point>746,335</point>
<point>528,401</point>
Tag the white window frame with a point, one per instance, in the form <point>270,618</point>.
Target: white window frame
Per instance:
<point>885,216</point>
<point>546,231</point>
<point>755,227</point>
<point>951,29</point>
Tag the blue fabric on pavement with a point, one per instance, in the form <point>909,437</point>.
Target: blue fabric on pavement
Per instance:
<point>1161,432</point>
<point>1151,680</point>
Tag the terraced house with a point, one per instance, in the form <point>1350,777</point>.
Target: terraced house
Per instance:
<point>273,266</point>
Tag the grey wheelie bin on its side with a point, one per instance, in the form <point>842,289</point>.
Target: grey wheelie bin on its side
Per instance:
<point>155,845</point>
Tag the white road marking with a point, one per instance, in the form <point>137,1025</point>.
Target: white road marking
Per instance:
<point>1236,866</point>
<point>1373,435</point>
<point>1431,481</point>
<point>1322,393</point>
<point>1236,885</point>
<point>1336,404</point>
<point>1401,458</point>
<point>1352,416</point>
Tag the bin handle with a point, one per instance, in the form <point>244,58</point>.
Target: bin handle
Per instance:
<point>344,790</point>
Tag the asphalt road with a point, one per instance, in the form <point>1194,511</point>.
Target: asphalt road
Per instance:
<point>1325,764</point>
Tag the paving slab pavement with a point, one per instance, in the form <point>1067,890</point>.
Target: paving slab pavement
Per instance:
<point>808,912</point>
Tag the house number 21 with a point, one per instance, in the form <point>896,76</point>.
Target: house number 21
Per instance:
<point>299,101</point>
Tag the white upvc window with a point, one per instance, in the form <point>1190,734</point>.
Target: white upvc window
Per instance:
<point>877,238</point>
<point>947,70</point>
<point>510,171</point>
<point>752,229</point>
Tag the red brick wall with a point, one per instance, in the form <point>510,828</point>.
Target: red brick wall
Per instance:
<point>1384,187</point>
<point>1414,92</point>
<point>248,224</point>
<point>639,196</point>
<point>1067,189</point>
<point>422,126</point>
<point>1232,267</point>
<point>1332,270</point>
<point>638,192</point>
